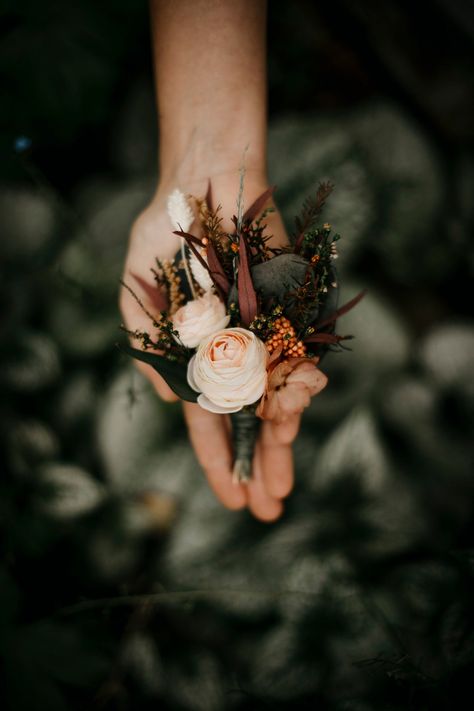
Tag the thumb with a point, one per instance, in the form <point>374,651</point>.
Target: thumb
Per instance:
<point>135,319</point>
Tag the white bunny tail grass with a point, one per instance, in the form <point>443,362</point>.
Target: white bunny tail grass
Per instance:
<point>181,217</point>
<point>179,211</point>
<point>187,270</point>
<point>200,274</point>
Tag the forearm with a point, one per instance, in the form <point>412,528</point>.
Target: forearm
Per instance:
<point>210,72</point>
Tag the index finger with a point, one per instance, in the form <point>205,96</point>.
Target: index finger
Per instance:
<point>135,319</point>
<point>277,455</point>
<point>210,438</point>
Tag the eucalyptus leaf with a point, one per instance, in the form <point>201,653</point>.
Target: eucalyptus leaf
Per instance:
<point>174,373</point>
<point>273,278</point>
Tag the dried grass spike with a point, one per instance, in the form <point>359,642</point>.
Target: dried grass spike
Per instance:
<point>176,296</point>
<point>180,211</point>
<point>200,274</point>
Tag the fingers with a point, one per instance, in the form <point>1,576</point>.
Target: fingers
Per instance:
<point>283,433</point>
<point>262,504</point>
<point>135,319</point>
<point>277,456</point>
<point>210,438</point>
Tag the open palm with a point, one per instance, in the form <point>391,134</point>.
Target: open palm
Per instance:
<point>210,434</point>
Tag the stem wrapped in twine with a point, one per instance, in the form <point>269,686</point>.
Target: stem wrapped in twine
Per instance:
<point>245,428</point>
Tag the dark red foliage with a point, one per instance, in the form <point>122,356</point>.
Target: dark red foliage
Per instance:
<point>155,294</point>
<point>326,338</point>
<point>213,265</point>
<point>312,208</point>
<point>246,291</point>
<point>342,310</point>
<point>216,269</point>
<point>188,237</point>
<point>257,206</point>
<point>209,196</point>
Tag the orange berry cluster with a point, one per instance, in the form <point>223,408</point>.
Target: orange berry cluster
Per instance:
<point>284,335</point>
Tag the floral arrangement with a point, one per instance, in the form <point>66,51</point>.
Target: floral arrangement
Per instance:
<point>242,325</point>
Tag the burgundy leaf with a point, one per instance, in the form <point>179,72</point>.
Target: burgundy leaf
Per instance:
<point>216,278</point>
<point>257,206</point>
<point>190,242</point>
<point>216,269</point>
<point>247,295</point>
<point>154,294</point>
<point>299,241</point>
<point>188,237</point>
<point>209,196</point>
<point>326,338</point>
<point>342,310</point>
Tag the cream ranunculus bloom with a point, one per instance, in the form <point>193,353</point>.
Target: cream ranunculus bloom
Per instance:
<point>229,369</point>
<point>199,319</point>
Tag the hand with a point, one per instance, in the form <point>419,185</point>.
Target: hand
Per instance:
<point>210,434</point>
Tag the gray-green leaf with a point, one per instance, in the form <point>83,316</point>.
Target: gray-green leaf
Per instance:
<point>174,373</point>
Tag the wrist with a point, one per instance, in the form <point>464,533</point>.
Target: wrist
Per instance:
<point>222,183</point>
<point>225,188</point>
<point>208,160</point>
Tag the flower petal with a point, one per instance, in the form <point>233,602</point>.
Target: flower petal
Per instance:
<point>206,404</point>
<point>314,379</point>
<point>190,375</point>
<point>294,398</point>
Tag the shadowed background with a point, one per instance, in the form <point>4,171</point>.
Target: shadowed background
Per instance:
<point>123,583</point>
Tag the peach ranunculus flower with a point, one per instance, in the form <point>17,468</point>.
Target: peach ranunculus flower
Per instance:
<point>291,384</point>
<point>200,318</point>
<point>229,370</point>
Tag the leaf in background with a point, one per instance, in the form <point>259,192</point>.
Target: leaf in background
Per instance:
<point>174,373</point>
<point>247,295</point>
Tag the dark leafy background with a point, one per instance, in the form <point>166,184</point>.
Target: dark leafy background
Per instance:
<point>124,584</point>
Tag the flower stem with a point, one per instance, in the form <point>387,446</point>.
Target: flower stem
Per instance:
<point>245,428</point>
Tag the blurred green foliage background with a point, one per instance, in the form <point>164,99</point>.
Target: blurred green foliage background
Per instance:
<point>123,583</point>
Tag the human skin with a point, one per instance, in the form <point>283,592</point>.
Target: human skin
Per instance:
<point>210,72</point>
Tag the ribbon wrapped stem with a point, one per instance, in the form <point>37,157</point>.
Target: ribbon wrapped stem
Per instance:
<point>245,429</point>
